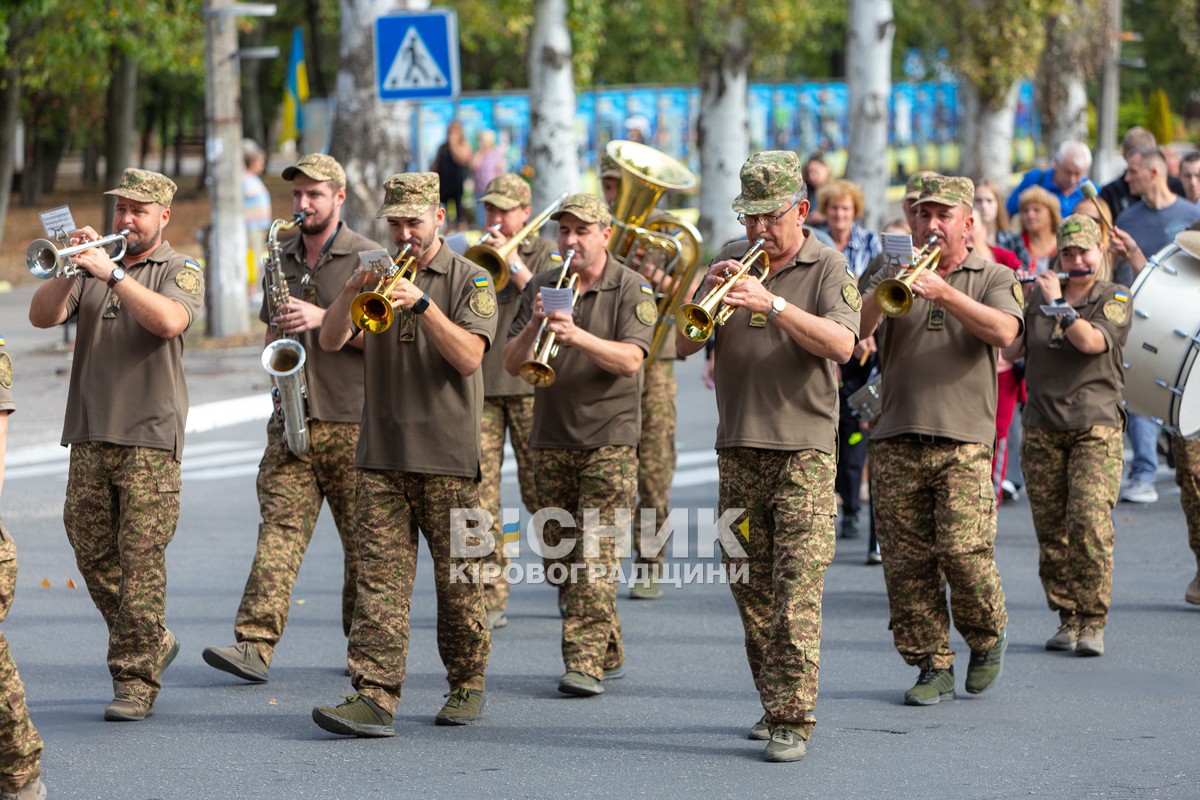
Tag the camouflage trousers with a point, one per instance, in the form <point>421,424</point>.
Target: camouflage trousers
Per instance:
<point>935,515</point>
<point>1073,478</point>
<point>574,480</point>
<point>20,745</point>
<point>656,460</point>
<point>291,490</point>
<point>513,413</point>
<point>391,507</point>
<point>789,542</point>
<point>121,511</point>
<point>1187,475</point>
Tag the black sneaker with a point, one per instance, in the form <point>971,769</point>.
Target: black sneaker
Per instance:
<point>850,527</point>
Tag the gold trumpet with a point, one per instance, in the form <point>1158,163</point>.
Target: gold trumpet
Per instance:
<point>700,319</point>
<point>44,259</point>
<point>495,259</point>
<point>894,296</point>
<point>537,371</point>
<point>372,311</point>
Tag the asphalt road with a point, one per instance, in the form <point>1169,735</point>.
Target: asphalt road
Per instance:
<point>1125,725</point>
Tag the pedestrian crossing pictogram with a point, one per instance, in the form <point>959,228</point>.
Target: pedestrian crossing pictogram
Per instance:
<point>414,67</point>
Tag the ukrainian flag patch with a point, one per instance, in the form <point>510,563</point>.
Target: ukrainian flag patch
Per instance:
<point>481,281</point>
<point>556,257</point>
<point>646,288</point>
<point>1124,298</point>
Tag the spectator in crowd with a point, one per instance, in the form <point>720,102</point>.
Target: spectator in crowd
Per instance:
<point>1064,178</point>
<point>816,174</point>
<point>1040,215</point>
<point>992,216</point>
<point>487,164</point>
<point>842,203</point>
<point>1189,176</point>
<point>1117,194</point>
<point>256,206</point>
<point>450,164</point>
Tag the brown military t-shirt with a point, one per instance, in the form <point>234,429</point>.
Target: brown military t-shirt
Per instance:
<point>537,253</point>
<point>771,392</point>
<point>335,380</point>
<point>6,381</point>
<point>1070,390</point>
<point>127,385</point>
<point>419,414</point>
<point>588,407</point>
<point>939,378</point>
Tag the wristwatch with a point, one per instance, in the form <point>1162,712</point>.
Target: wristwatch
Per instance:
<point>117,276</point>
<point>777,305</point>
<point>515,267</point>
<point>420,306</point>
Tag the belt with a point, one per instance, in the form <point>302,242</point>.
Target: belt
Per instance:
<point>925,438</point>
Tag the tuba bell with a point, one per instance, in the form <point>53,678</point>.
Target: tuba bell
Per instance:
<point>640,236</point>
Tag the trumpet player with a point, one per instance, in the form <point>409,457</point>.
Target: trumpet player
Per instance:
<point>507,400</point>
<point>292,487</point>
<point>931,448</point>
<point>586,425</point>
<point>776,441</point>
<point>123,486</point>
<point>417,459</point>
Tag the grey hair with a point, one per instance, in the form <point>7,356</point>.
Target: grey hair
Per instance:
<point>1074,152</point>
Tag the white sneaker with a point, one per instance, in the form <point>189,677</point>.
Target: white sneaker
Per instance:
<point>1139,492</point>
<point>1009,490</point>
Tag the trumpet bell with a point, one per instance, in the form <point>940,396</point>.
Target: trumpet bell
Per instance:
<point>893,297</point>
<point>537,373</point>
<point>41,258</point>
<point>695,322</point>
<point>372,312</point>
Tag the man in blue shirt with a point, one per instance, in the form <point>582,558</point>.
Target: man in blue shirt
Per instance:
<point>1063,179</point>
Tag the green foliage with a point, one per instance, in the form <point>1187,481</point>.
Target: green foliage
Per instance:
<point>1131,112</point>
<point>1158,118</point>
<point>999,42</point>
<point>1170,45</point>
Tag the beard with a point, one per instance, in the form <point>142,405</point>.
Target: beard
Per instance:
<point>143,242</point>
<point>314,224</point>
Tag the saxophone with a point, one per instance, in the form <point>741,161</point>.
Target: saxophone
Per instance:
<point>283,359</point>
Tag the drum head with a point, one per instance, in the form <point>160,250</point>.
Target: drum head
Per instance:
<point>1189,241</point>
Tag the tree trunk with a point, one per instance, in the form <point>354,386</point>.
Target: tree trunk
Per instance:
<point>119,129</point>
<point>723,133</point>
<point>1061,84</point>
<point>10,114</point>
<point>253,124</point>
<point>868,75</point>
<point>553,145</point>
<point>369,136</point>
<point>987,134</point>
<point>315,56</point>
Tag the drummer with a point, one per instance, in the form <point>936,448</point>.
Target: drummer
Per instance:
<point>1187,457</point>
<point>1075,331</point>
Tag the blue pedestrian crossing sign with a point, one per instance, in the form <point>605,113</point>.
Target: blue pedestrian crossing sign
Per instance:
<point>416,55</point>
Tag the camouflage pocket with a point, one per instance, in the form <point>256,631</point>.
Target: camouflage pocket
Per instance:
<point>8,572</point>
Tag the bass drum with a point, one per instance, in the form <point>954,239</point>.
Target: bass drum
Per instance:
<point>1164,338</point>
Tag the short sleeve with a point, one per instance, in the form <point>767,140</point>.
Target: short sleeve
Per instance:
<point>475,303</point>
<point>838,295</point>
<point>183,282</point>
<point>637,314</point>
<point>1113,315</point>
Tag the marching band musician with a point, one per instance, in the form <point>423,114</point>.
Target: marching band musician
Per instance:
<point>507,400</point>
<point>123,487</point>
<point>418,458</point>
<point>291,487</point>
<point>586,426</point>
<point>1072,448</point>
<point>931,449</point>
<point>776,439</point>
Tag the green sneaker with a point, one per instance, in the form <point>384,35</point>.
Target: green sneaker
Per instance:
<point>984,669</point>
<point>613,673</point>
<point>357,716</point>
<point>785,745</point>
<point>463,706</point>
<point>579,685</point>
<point>242,660</point>
<point>932,687</point>
<point>172,651</point>
<point>760,731</point>
<point>126,708</point>
<point>647,589</point>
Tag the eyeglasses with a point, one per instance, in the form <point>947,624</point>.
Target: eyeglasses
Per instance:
<point>765,220</point>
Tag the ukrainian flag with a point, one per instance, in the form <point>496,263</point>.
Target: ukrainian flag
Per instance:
<point>295,91</point>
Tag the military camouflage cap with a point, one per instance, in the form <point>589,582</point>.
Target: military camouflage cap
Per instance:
<point>769,179</point>
<point>946,191</point>
<point>1078,230</point>
<point>146,187</point>
<point>409,194</point>
<point>319,167</point>
<point>586,207</point>
<point>912,189</point>
<point>609,168</point>
<point>507,192</point>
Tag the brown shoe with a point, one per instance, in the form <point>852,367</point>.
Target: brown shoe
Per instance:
<point>1192,595</point>
<point>126,708</point>
<point>1091,641</point>
<point>1066,638</point>
<point>34,791</point>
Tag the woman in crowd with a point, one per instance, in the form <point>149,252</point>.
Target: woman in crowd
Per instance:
<point>1040,216</point>
<point>1075,331</point>
<point>841,203</point>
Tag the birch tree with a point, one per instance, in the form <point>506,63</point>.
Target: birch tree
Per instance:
<point>369,136</point>
<point>553,143</point>
<point>869,79</point>
<point>1074,34</point>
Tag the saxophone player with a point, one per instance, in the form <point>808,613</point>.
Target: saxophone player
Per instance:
<point>291,487</point>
